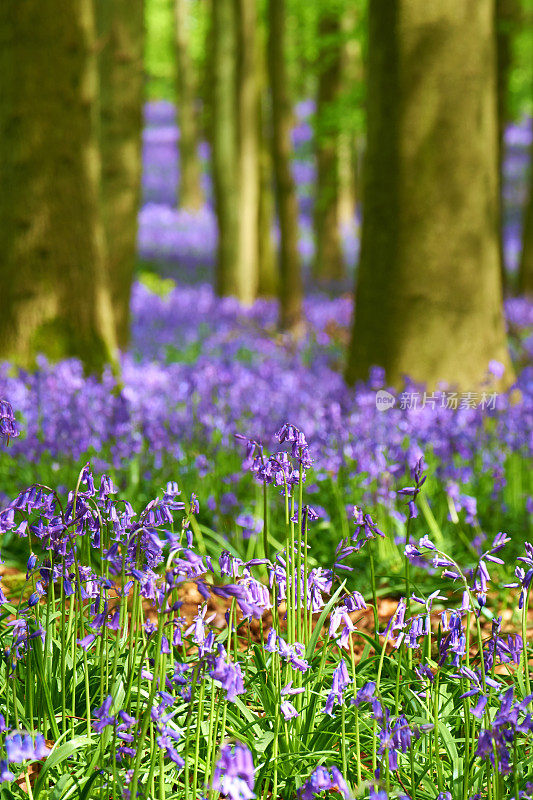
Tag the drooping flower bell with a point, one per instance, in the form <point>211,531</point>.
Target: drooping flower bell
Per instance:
<point>8,427</point>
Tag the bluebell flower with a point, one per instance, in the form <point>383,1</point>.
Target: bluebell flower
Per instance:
<point>365,694</point>
<point>228,674</point>
<point>101,717</point>
<point>8,427</point>
<point>455,640</point>
<point>6,776</point>
<point>504,727</point>
<point>288,710</point>
<point>21,747</point>
<point>365,528</point>
<point>479,709</point>
<point>323,780</point>
<point>87,641</point>
<point>341,681</point>
<point>234,774</point>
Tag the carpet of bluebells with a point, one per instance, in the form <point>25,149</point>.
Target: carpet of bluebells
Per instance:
<point>201,600</point>
<point>109,691</point>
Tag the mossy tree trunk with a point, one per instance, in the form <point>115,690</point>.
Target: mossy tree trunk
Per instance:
<point>290,276</point>
<point>53,281</point>
<point>190,192</point>
<point>328,263</point>
<point>525,272</point>
<point>248,166</point>
<point>267,261</point>
<point>428,296</point>
<point>268,266</point>
<point>351,87</point>
<point>120,40</point>
<point>224,142</point>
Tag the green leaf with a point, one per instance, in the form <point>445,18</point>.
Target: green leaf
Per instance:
<point>374,642</point>
<point>57,756</point>
<point>85,794</point>
<point>38,652</point>
<point>322,618</point>
<point>457,762</point>
<point>59,788</point>
<point>430,519</point>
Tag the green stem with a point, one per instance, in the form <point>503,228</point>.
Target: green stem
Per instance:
<point>146,717</point>
<point>436,732</point>
<point>373,586</point>
<point>188,727</point>
<point>199,720</point>
<point>357,735</point>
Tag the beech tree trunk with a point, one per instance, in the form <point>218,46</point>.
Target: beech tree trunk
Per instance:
<point>267,260</point>
<point>225,143</point>
<point>525,272</point>
<point>268,267</point>
<point>428,296</point>
<point>290,277</point>
<point>121,39</point>
<point>328,263</point>
<point>351,77</point>
<point>53,282</point>
<point>190,192</point>
<point>247,266</point>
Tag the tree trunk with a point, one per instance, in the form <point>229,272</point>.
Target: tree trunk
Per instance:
<point>428,298</point>
<point>53,282</point>
<point>525,272</point>
<point>328,264</point>
<point>290,283</point>
<point>224,143</point>
<point>121,39</point>
<point>190,194</point>
<point>268,267</point>
<point>248,144</point>
<point>506,17</point>
<point>347,178</point>
<point>267,260</point>
<point>351,79</point>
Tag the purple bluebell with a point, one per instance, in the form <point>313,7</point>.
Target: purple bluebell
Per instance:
<point>234,774</point>
<point>341,680</point>
<point>101,716</point>
<point>6,776</point>
<point>228,674</point>
<point>8,427</point>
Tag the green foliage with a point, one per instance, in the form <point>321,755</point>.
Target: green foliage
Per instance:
<point>160,64</point>
<point>521,75</point>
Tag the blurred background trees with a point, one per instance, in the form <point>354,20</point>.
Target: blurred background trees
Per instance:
<point>120,49</point>
<point>407,133</point>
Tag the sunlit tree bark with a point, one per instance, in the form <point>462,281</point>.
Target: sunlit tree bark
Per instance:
<point>290,277</point>
<point>224,142</point>
<point>190,192</point>
<point>120,57</point>
<point>268,266</point>
<point>351,77</point>
<point>53,280</point>
<point>267,260</point>
<point>248,165</point>
<point>428,298</point>
<point>328,263</point>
